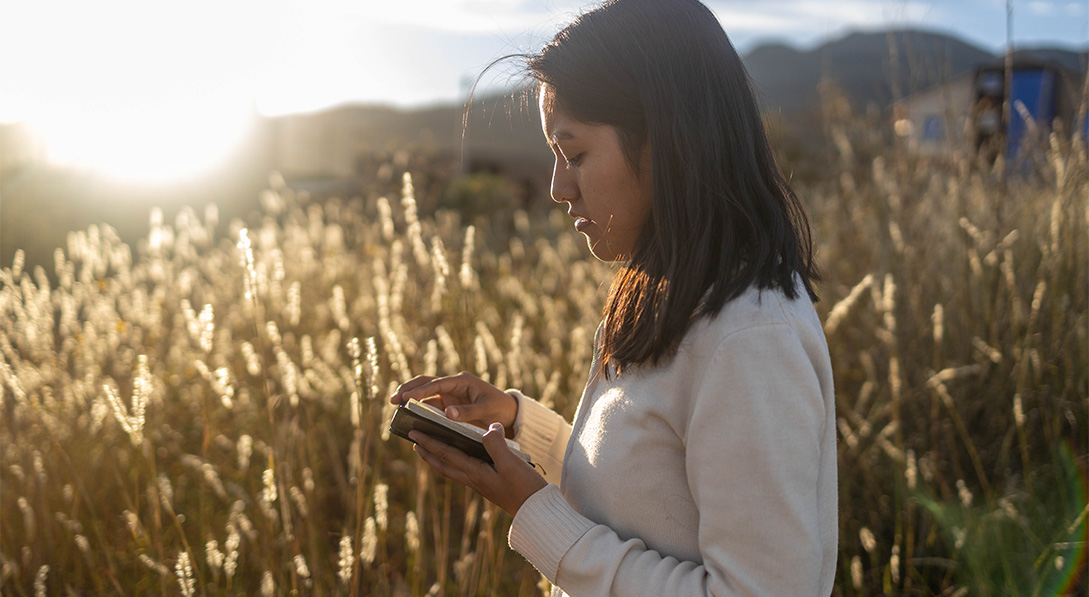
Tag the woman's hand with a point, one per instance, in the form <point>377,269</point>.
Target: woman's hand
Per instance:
<point>507,484</point>
<point>463,397</point>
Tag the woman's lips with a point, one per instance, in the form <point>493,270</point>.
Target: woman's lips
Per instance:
<point>582,223</point>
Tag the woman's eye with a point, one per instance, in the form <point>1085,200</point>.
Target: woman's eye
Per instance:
<point>574,160</point>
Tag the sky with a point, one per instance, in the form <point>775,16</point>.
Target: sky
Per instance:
<point>79,71</point>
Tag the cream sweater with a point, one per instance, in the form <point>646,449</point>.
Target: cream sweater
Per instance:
<point>714,474</point>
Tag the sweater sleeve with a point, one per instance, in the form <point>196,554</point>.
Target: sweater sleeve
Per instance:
<point>752,460</point>
<point>542,434</point>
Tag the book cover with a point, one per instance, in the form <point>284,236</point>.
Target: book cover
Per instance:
<point>415,415</point>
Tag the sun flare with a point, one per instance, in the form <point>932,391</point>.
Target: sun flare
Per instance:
<point>149,143</point>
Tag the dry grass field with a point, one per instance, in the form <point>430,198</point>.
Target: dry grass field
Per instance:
<point>206,413</point>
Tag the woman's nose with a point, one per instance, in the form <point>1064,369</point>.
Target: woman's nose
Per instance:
<point>564,187</point>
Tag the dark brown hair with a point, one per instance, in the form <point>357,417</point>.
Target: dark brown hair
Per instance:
<point>723,217</point>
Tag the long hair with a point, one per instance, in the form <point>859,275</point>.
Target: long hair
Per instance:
<point>723,218</point>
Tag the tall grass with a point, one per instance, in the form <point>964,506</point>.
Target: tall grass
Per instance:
<point>207,414</point>
<point>958,330</point>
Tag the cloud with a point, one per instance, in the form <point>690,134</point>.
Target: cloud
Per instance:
<point>1042,8</point>
<point>788,16</point>
<point>464,16</point>
<point>1051,8</point>
<point>513,17</point>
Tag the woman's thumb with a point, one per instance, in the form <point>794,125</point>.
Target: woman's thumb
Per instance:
<point>495,442</point>
<point>462,412</point>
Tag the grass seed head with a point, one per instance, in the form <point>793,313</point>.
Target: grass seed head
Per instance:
<point>183,570</point>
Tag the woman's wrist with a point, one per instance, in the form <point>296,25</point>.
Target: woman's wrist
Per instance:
<point>508,426</point>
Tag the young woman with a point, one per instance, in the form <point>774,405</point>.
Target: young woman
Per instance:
<point>702,457</point>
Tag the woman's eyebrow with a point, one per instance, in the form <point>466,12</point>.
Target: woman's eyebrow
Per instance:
<point>560,135</point>
<point>557,136</point>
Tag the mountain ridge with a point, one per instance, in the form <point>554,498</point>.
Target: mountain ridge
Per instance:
<point>874,68</point>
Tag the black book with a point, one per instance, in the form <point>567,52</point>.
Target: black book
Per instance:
<point>417,416</point>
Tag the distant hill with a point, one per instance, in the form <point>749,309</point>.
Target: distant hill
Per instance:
<point>866,65</point>
<point>861,64</point>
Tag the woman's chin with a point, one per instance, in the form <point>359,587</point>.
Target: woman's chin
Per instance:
<point>603,252</point>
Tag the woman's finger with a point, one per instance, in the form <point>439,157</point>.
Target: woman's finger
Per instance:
<point>440,402</point>
<point>452,462</point>
<point>460,386</point>
<point>415,382</point>
<point>439,465</point>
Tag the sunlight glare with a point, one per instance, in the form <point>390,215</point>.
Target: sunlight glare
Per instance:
<point>152,143</point>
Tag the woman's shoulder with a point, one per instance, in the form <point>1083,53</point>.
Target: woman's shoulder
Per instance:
<point>754,308</point>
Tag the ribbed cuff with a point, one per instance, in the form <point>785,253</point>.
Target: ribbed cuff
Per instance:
<point>545,528</point>
<point>535,425</point>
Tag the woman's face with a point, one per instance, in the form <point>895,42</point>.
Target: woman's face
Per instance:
<point>608,200</point>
